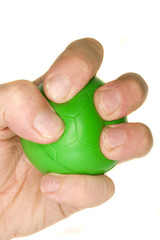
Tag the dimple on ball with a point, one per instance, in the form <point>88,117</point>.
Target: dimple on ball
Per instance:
<point>78,149</point>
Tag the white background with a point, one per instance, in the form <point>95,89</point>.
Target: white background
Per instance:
<point>33,33</point>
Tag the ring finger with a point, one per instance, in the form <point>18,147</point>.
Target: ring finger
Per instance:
<point>126,141</point>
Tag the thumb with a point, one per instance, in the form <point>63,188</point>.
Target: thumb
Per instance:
<point>77,191</point>
<point>26,112</point>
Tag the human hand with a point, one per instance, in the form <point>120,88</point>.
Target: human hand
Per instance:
<point>25,194</point>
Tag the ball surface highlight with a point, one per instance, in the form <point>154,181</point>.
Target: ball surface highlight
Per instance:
<point>78,149</point>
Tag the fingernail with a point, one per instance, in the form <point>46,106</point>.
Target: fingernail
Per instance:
<point>113,137</point>
<point>50,183</point>
<point>58,86</point>
<point>110,100</point>
<point>48,123</point>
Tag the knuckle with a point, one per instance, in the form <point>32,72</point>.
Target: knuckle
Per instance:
<point>22,89</point>
<point>141,86</point>
<point>108,188</point>
<point>17,88</point>
<point>146,135</point>
<point>15,91</point>
<point>89,49</point>
<point>86,42</point>
<point>145,139</point>
<point>19,95</point>
<point>137,85</point>
<point>21,85</point>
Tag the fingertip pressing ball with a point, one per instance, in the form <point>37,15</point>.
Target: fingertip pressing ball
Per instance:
<point>78,149</point>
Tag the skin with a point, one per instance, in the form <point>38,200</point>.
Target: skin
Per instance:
<point>44,200</point>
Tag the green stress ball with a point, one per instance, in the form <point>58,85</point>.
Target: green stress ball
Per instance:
<point>78,149</point>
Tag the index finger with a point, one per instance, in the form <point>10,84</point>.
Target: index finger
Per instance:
<point>72,70</point>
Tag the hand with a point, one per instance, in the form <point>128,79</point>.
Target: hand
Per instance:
<point>39,201</point>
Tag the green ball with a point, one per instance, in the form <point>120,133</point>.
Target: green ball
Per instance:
<point>78,149</point>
